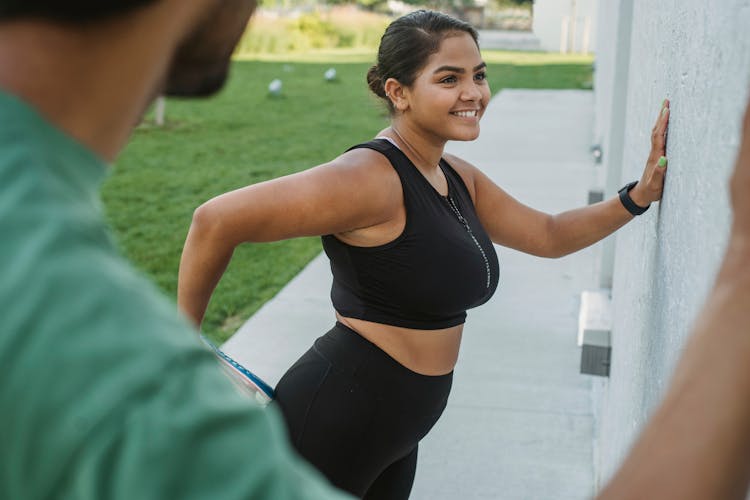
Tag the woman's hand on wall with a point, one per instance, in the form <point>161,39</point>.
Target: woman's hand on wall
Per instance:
<point>651,184</point>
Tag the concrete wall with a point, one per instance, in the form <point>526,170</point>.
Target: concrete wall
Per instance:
<point>612,68</point>
<point>697,54</point>
<point>565,25</point>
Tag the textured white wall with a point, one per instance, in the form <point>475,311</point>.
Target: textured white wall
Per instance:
<point>604,67</point>
<point>611,83</point>
<point>697,54</point>
<point>547,23</point>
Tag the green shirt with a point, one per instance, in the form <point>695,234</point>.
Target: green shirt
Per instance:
<point>105,391</point>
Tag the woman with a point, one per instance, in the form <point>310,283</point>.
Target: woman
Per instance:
<point>409,231</point>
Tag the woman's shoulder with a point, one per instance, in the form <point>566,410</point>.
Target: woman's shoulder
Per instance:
<point>367,159</point>
<point>367,171</point>
<point>368,184</point>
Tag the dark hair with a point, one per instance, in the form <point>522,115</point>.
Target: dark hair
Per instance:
<point>72,11</point>
<point>407,44</point>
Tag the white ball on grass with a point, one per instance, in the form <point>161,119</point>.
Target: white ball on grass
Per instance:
<point>274,88</point>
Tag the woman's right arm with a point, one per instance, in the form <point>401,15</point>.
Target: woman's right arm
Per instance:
<point>357,190</point>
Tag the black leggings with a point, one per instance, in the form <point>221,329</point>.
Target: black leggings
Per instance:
<point>358,415</point>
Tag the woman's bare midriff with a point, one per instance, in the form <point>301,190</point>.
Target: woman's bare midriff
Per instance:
<point>427,352</point>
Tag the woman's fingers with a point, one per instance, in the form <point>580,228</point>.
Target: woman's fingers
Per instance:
<point>654,178</point>
<point>659,132</point>
<point>651,185</point>
<point>656,182</point>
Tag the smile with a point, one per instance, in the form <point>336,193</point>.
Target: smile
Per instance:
<point>466,114</point>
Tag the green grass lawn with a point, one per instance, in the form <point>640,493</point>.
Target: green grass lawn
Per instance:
<point>243,136</point>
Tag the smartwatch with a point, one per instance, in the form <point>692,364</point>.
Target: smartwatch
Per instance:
<point>628,202</point>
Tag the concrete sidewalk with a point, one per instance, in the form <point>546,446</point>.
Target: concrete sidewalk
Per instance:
<point>509,40</point>
<point>519,424</point>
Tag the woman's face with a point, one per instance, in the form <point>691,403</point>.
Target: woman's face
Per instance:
<point>450,94</point>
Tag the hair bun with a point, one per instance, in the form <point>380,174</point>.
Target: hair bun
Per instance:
<point>375,82</point>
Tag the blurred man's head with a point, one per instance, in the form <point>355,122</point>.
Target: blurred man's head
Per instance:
<point>74,11</point>
<point>200,63</point>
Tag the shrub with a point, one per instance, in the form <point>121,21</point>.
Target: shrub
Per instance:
<point>338,27</point>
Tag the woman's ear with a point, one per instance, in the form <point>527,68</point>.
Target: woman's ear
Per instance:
<point>397,94</point>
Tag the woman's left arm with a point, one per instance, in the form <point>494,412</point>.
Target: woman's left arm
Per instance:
<point>512,224</point>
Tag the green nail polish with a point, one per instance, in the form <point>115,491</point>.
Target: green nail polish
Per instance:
<point>662,161</point>
<point>664,111</point>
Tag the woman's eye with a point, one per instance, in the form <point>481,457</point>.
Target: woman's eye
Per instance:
<point>480,76</point>
<point>448,79</point>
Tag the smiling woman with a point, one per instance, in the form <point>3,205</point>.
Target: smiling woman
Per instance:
<point>453,81</point>
<point>409,231</point>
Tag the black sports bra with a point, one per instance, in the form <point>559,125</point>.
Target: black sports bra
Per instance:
<point>442,264</point>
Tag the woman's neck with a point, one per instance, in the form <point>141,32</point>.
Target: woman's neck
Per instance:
<point>424,154</point>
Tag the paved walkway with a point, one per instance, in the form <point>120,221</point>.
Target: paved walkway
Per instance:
<point>519,424</point>
<point>508,40</point>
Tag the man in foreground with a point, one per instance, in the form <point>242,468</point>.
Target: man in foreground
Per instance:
<point>106,392</point>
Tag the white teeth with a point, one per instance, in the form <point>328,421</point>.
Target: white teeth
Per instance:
<point>465,114</point>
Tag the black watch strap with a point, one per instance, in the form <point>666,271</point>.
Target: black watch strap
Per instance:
<point>628,202</point>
